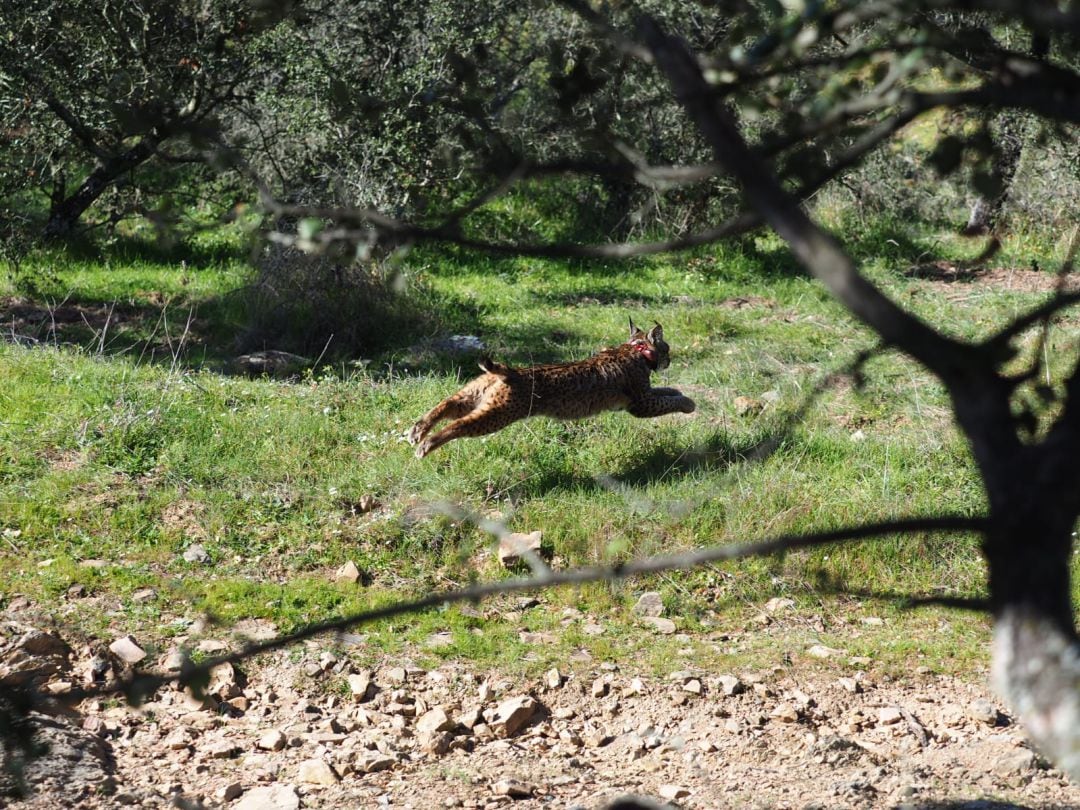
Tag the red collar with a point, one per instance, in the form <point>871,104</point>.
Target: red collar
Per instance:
<point>647,351</point>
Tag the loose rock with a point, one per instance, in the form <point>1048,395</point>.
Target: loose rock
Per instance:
<point>785,713</point>
<point>778,603</point>
<point>360,685</point>
<point>127,650</point>
<point>512,714</point>
<point>1016,761</point>
<point>433,721</point>
<point>889,715</point>
<point>197,554</point>
<point>28,654</point>
<point>673,792</point>
<point>271,362</point>
<point>649,604</point>
<point>229,792</point>
<point>348,573</point>
<point>850,685</point>
<point>513,546</point>
<point>271,741</point>
<point>513,788</point>
<point>661,625</point>
<point>317,772</point>
<point>372,761</point>
<point>730,685</point>
<point>436,743</point>
<point>983,711</point>
<point>271,797</point>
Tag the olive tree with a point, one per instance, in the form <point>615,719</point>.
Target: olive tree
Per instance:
<point>792,101</point>
<point>115,99</point>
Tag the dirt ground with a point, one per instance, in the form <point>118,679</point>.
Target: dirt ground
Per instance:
<point>309,728</point>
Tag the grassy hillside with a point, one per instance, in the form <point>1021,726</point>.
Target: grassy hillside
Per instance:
<point>123,441</point>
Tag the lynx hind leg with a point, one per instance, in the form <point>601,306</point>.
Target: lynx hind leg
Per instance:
<point>453,407</point>
<point>659,402</point>
<point>477,423</point>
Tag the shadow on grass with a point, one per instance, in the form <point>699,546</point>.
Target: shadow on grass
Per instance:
<point>161,321</point>
<point>188,333</point>
<point>163,252</point>
<point>718,453</point>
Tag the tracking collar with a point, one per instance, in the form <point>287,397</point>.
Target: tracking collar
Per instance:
<point>647,351</point>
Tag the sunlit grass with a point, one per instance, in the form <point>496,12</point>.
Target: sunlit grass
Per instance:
<point>106,455</point>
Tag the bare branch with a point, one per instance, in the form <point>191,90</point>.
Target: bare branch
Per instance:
<point>1041,313</point>
<point>81,131</point>
<point>403,232</point>
<point>1038,15</point>
<point>145,684</point>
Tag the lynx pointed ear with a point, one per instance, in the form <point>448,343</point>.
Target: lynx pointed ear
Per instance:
<point>633,329</point>
<point>656,333</point>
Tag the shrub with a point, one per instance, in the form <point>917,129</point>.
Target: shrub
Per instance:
<point>328,305</point>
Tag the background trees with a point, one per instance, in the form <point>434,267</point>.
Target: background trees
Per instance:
<point>107,105</point>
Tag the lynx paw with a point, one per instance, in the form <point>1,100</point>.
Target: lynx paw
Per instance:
<point>415,434</point>
<point>423,449</point>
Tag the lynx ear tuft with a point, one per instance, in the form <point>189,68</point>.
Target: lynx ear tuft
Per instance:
<point>633,329</point>
<point>656,333</point>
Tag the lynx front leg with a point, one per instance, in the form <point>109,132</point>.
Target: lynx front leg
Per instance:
<point>658,402</point>
<point>475,424</point>
<point>453,407</point>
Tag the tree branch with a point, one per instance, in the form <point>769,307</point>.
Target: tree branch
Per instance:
<point>82,133</point>
<point>1041,313</point>
<point>143,685</point>
<point>817,250</point>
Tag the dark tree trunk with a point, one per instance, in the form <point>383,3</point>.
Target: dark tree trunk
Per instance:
<point>65,213</point>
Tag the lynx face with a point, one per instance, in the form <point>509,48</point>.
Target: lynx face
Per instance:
<point>615,379</point>
<point>651,344</point>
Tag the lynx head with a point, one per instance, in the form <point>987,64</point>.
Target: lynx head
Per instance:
<point>651,344</point>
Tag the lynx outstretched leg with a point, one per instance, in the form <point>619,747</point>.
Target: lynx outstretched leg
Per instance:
<point>657,402</point>
<point>475,424</point>
<point>453,407</point>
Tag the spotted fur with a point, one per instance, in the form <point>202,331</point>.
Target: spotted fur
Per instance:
<point>615,379</point>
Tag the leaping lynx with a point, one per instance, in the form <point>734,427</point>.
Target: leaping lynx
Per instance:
<point>615,379</point>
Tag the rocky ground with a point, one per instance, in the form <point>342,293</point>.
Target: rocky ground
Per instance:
<point>310,728</point>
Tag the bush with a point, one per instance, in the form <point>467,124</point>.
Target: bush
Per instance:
<point>329,306</point>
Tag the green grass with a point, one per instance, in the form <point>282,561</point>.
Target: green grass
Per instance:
<point>112,452</point>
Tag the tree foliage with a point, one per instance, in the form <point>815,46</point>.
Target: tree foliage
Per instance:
<point>108,104</point>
